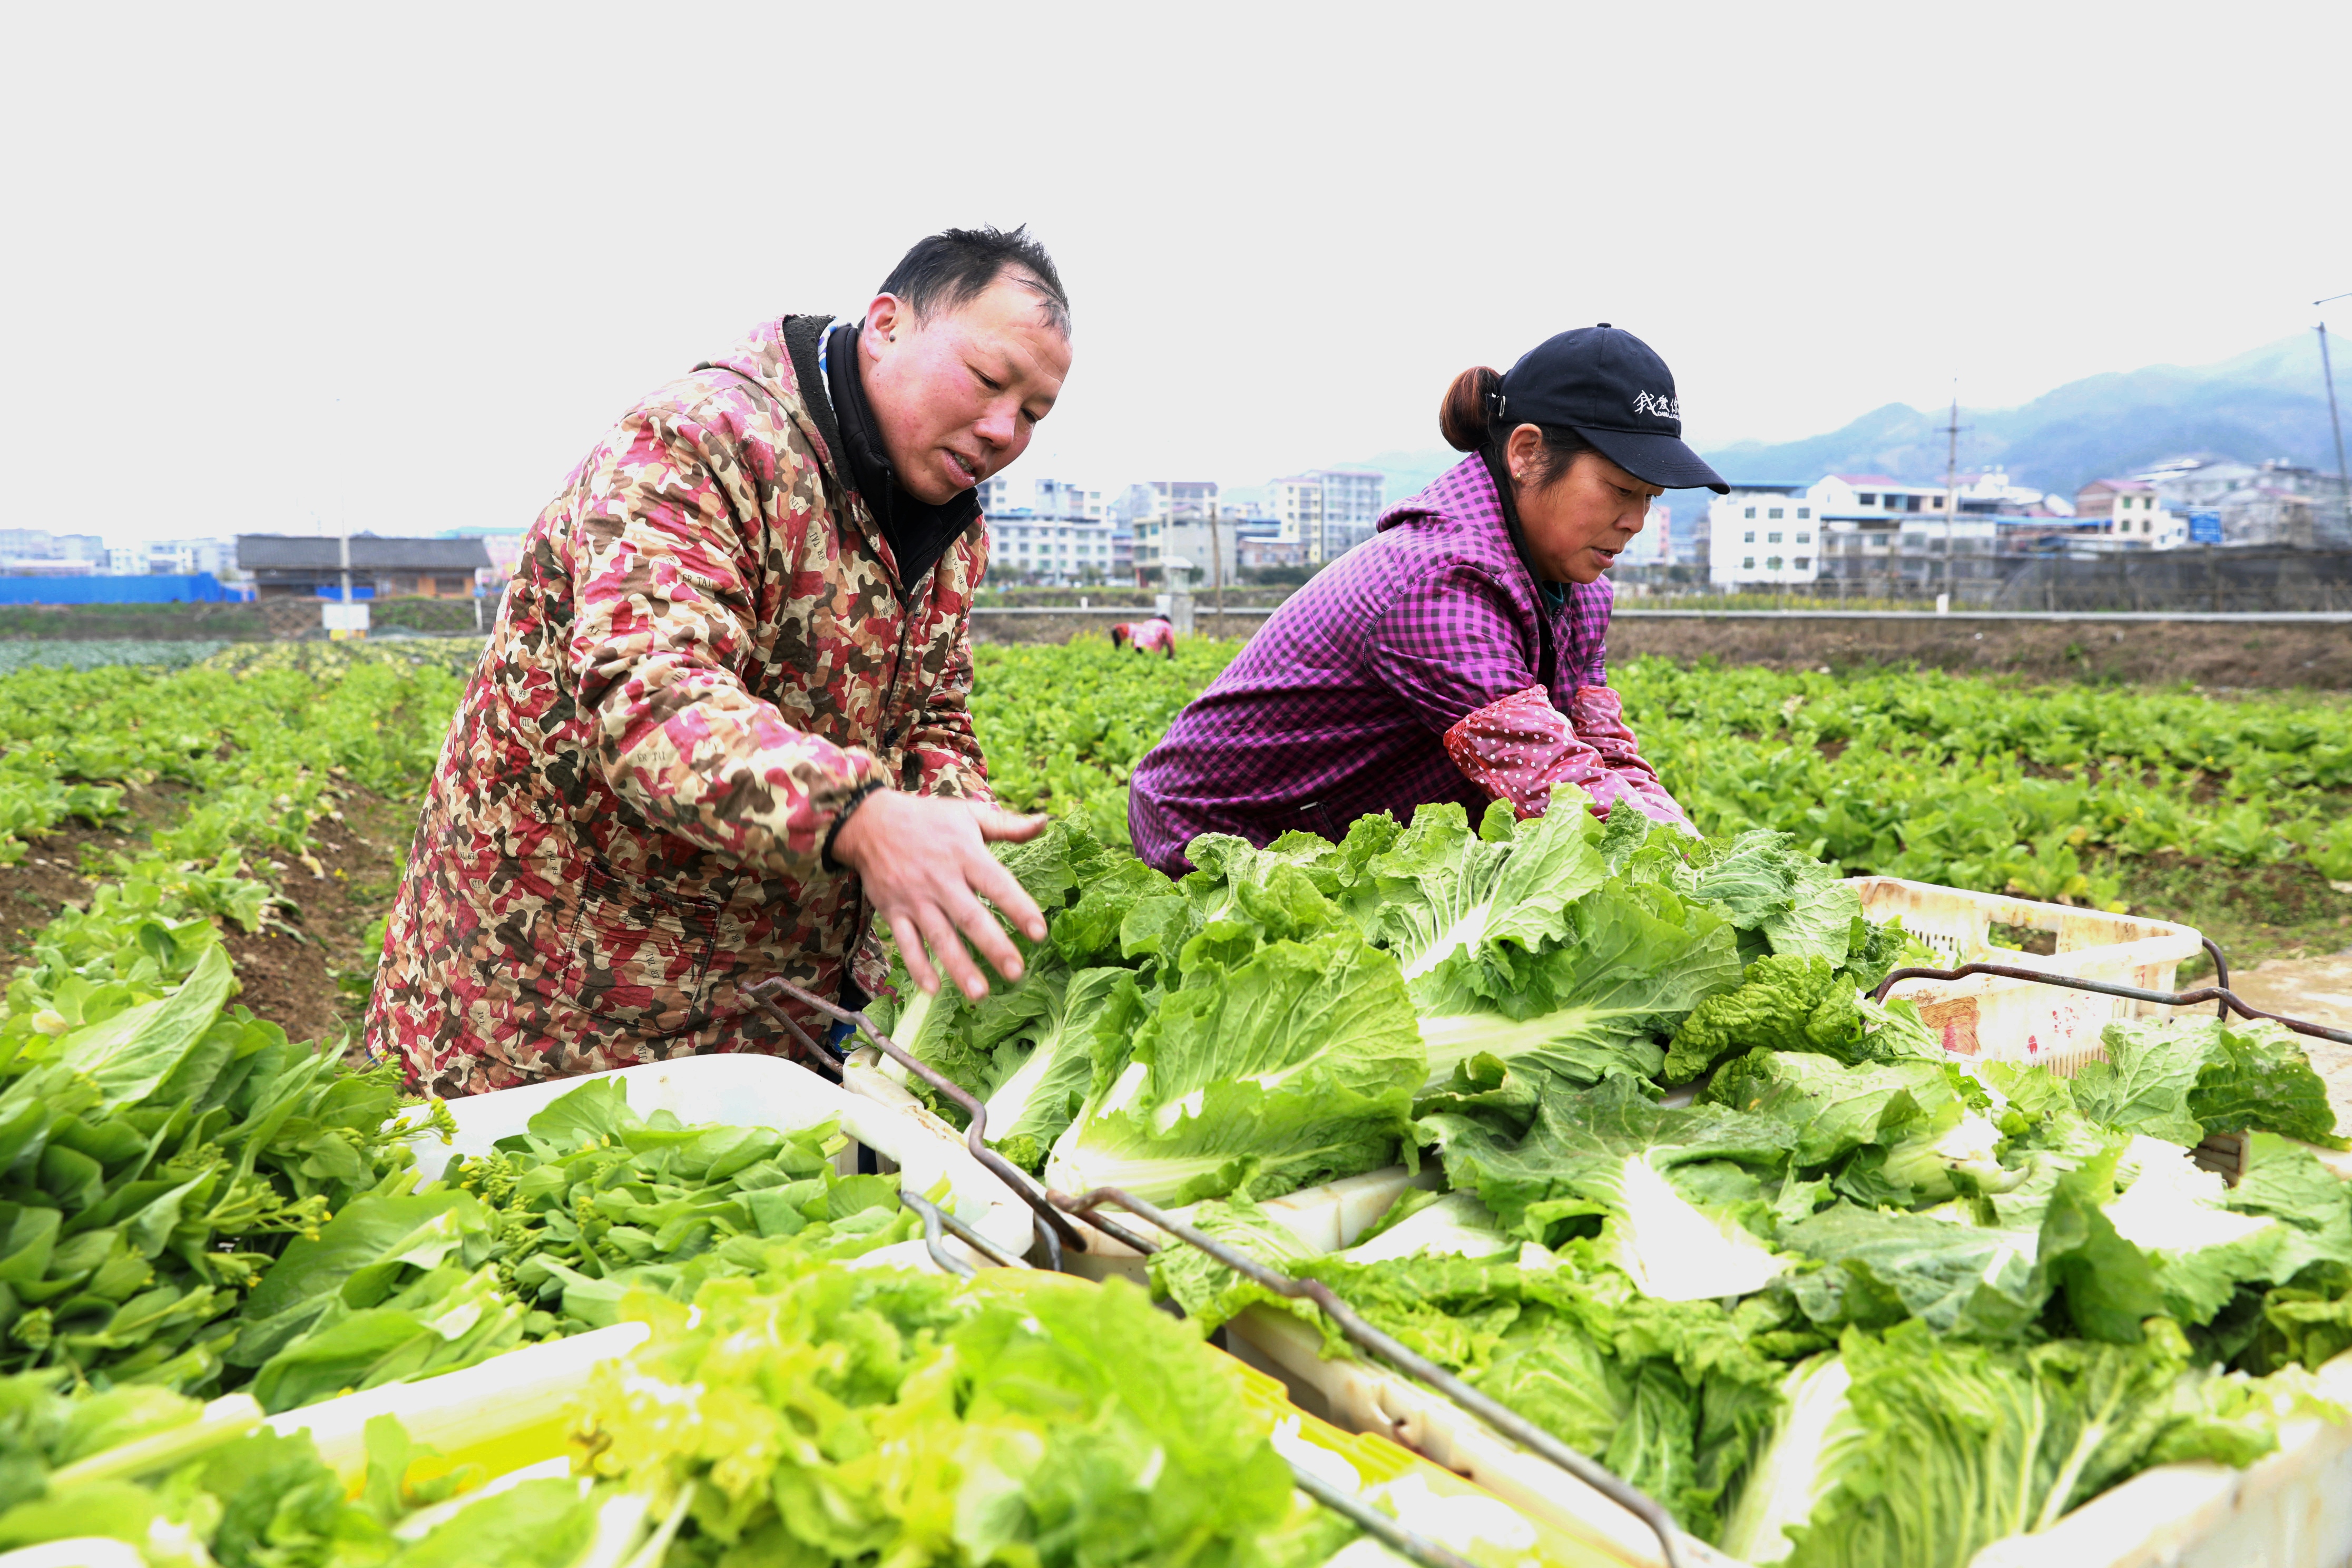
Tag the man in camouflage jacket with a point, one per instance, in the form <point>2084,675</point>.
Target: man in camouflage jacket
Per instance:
<point>722,722</point>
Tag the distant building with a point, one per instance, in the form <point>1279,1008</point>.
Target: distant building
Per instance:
<point>1252,551</point>
<point>1654,545</point>
<point>1160,543</point>
<point>2275,502</point>
<point>304,567</point>
<point>1762,534</point>
<point>1051,531</point>
<point>37,552</point>
<point>169,558</point>
<point>1043,497</point>
<point>1872,496</point>
<point>1164,497</point>
<point>1328,511</point>
<point>2131,512</point>
<point>1055,550</point>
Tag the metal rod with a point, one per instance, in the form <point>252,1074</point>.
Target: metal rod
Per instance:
<point>2228,998</point>
<point>977,1242</point>
<point>1374,1523</point>
<point>2221,965</point>
<point>823,1061</point>
<point>1049,1241</point>
<point>932,1242</point>
<point>975,1131</point>
<point>1503,1419</point>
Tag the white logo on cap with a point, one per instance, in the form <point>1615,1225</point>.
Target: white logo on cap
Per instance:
<point>1664,407</point>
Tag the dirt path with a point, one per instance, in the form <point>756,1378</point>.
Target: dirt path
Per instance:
<point>2319,991</point>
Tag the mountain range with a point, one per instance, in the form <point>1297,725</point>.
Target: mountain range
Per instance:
<point>2264,404</point>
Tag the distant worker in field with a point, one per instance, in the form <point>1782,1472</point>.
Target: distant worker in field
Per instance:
<point>1459,655</point>
<point>721,725</point>
<point>1155,635</point>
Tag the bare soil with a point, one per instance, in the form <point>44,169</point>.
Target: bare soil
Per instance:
<point>2213,653</point>
<point>313,985</point>
<point>316,986</point>
<point>51,876</point>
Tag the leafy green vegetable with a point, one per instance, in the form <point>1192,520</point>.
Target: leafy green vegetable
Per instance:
<point>1939,1447</point>
<point>1606,1151</point>
<point>1295,1066</point>
<point>1635,959</point>
<point>164,1153</point>
<point>2182,1078</point>
<point>1769,886</point>
<point>1785,1003</point>
<point>840,1415</point>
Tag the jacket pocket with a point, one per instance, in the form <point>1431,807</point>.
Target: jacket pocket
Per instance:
<point>641,955</point>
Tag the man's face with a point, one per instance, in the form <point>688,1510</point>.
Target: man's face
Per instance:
<point>959,394</point>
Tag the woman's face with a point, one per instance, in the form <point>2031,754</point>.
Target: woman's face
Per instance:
<point>1576,524</point>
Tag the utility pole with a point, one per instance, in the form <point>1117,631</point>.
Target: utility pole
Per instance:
<point>1217,567</point>
<point>2342,475</point>
<point>346,565</point>
<point>1951,476</point>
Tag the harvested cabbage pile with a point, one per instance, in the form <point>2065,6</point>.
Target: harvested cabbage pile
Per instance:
<point>1267,1022</point>
<point>837,1415</point>
<point>1821,1278</point>
<point>1670,1287</point>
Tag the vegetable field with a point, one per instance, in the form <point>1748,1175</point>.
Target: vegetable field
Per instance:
<point>2233,814</point>
<point>1840,1300</point>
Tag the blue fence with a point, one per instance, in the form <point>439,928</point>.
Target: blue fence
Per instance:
<point>201,588</point>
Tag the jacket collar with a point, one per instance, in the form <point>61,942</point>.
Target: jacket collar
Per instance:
<point>919,532</point>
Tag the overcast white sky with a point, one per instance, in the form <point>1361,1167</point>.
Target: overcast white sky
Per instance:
<point>273,267</point>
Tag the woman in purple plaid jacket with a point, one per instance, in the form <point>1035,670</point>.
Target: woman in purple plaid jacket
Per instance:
<point>1460,655</point>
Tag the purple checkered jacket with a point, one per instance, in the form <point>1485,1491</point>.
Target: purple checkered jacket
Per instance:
<point>1337,709</point>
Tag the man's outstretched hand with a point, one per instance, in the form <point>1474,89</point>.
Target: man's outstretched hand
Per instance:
<point>925,864</point>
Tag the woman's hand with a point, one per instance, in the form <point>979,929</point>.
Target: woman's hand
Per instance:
<point>925,865</point>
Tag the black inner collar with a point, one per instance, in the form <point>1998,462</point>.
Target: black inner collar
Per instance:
<point>918,533</point>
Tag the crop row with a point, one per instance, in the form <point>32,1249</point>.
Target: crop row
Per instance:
<point>1951,779</point>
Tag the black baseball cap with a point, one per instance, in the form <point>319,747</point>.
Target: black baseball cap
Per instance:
<point>1612,388</point>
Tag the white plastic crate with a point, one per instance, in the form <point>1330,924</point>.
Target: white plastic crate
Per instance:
<point>502,1415</point>
<point>748,1091</point>
<point>1997,1018</point>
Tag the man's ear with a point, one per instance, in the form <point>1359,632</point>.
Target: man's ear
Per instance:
<point>886,317</point>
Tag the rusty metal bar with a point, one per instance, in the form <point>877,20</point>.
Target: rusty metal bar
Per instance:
<point>1374,1523</point>
<point>975,1131</point>
<point>1509,1423</point>
<point>823,1062</point>
<point>2221,967</point>
<point>932,1226</point>
<point>2221,994</point>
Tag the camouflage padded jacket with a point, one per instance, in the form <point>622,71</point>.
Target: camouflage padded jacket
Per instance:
<point>703,653</point>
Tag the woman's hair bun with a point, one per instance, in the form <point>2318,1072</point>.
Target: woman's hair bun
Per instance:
<point>1462,417</point>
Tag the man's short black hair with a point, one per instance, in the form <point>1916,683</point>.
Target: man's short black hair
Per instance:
<point>956,266</point>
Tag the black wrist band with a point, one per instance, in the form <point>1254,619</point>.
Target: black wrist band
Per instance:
<point>856,798</point>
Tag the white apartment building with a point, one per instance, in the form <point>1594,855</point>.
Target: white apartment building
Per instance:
<point>1763,535</point>
<point>1654,545</point>
<point>1055,549</point>
<point>1160,541</point>
<point>1872,496</point>
<point>1043,497</point>
<point>171,558</point>
<point>2133,513</point>
<point>1328,511</point>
